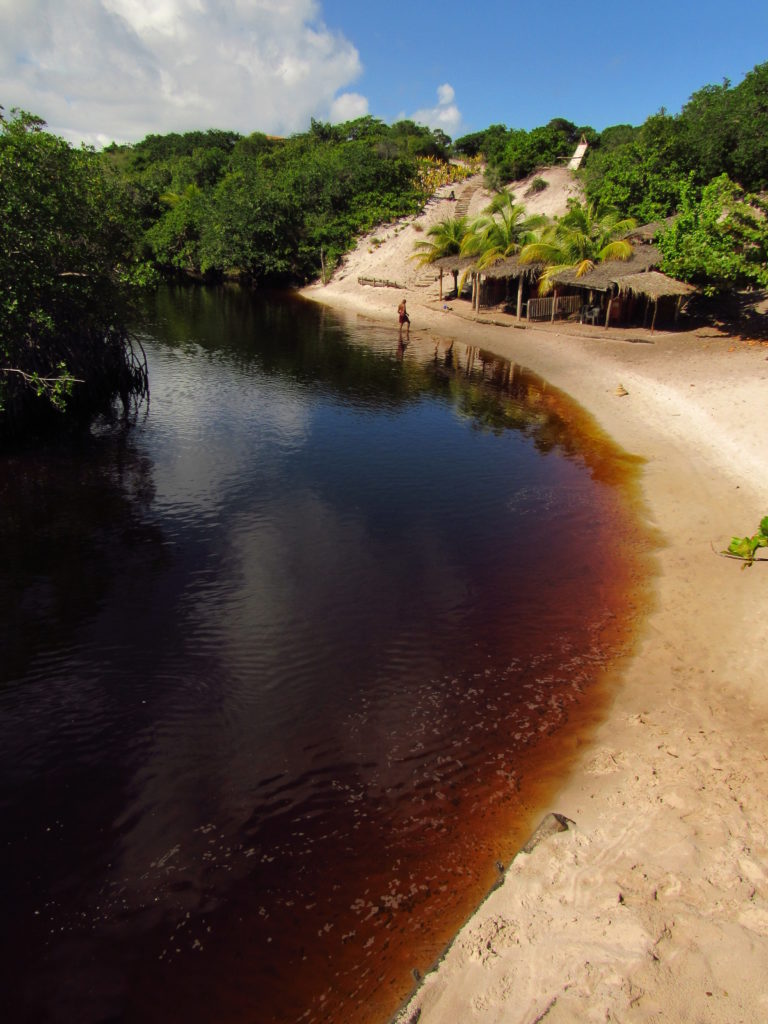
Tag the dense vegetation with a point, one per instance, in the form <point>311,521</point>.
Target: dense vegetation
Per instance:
<point>65,233</point>
<point>514,153</point>
<point>275,210</point>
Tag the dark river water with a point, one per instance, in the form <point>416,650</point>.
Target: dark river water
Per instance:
<point>288,666</point>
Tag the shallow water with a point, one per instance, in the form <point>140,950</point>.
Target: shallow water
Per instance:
<point>281,663</point>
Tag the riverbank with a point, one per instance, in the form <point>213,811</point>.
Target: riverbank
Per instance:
<point>654,904</point>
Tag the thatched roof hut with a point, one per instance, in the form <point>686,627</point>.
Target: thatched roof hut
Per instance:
<point>453,264</point>
<point>512,267</point>
<point>509,268</point>
<point>604,276</point>
<point>653,284</point>
<point>635,276</point>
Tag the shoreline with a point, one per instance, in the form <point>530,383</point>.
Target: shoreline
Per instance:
<point>654,904</point>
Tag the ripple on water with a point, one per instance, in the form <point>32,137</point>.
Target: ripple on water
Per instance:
<point>283,706</point>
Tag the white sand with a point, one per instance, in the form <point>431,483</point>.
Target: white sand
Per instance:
<point>654,906</point>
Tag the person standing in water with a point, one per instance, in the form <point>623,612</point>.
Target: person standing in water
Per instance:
<point>402,314</point>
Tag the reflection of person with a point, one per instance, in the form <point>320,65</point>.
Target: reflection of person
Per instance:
<point>402,314</point>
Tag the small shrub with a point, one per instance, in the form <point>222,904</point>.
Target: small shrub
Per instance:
<point>746,547</point>
<point>537,185</point>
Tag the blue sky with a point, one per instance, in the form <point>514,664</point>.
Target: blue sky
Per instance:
<point>99,70</point>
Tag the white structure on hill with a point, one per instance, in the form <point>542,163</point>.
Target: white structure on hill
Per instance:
<point>578,156</point>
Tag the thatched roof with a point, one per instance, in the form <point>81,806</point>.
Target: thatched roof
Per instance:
<point>603,276</point>
<point>632,275</point>
<point>653,284</point>
<point>647,232</point>
<point>512,267</point>
<point>452,263</point>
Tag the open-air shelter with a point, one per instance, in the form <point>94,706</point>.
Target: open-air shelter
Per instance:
<point>453,265</point>
<point>654,286</point>
<point>508,269</point>
<point>611,289</point>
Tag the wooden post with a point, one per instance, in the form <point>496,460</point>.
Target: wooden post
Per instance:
<point>678,304</point>
<point>519,296</point>
<point>554,303</point>
<point>655,310</point>
<point>608,312</point>
<point>441,284</point>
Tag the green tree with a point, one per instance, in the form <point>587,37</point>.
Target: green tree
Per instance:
<point>444,239</point>
<point>614,136</point>
<point>524,151</point>
<point>174,239</point>
<point>66,238</point>
<point>719,239</point>
<point>584,236</point>
<point>286,210</point>
<point>709,131</point>
<point>642,177</point>
<point>749,160</point>
<point>500,231</point>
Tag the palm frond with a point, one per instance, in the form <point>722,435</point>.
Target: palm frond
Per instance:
<point>540,252</point>
<point>583,267</point>
<point>545,279</point>
<point>618,250</point>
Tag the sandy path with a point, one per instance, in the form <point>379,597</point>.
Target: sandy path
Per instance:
<point>654,905</point>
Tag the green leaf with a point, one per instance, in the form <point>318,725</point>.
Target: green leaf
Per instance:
<point>742,547</point>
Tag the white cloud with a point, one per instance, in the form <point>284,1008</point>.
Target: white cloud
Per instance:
<point>445,95</point>
<point>102,69</point>
<point>348,106</point>
<point>445,115</point>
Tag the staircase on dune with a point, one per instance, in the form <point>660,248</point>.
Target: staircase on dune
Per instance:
<point>426,276</point>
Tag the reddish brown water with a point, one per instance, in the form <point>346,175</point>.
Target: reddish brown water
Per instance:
<point>289,668</point>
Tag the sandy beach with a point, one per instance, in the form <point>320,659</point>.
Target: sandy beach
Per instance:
<point>653,905</point>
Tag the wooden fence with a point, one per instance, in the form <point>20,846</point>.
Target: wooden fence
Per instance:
<point>379,282</point>
<point>551,308</point>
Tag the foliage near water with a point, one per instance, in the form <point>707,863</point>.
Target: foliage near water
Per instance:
<point>79,230</point>
<point>273,210</point>
<point>65,233</point>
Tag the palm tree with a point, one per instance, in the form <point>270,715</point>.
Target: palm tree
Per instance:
<point>447,237</point>
<point>587,234</point>
<point>501,231</point>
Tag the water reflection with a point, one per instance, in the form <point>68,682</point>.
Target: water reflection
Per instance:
<point>279,661</point>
